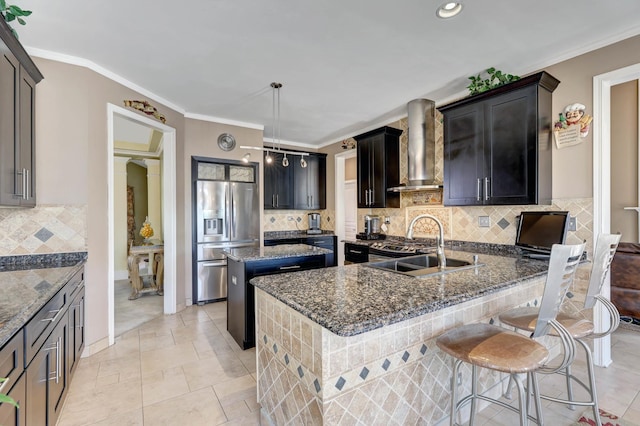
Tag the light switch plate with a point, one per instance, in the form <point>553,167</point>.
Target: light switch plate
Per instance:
<point>484,221</point>
<point>573,223</point>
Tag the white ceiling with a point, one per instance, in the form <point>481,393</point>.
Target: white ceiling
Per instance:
<point>346,66</point>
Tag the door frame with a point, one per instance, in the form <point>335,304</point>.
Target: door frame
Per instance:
<point>168,210</point>
<point>340,160</point>
<point>602,184</point>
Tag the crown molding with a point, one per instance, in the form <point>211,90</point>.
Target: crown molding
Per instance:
<point>74,60</point>
<point>213,119</point>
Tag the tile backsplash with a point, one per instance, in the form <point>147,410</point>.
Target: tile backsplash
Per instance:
<point>296,220</point>
<point>461,223</point>
<point>43,229</point>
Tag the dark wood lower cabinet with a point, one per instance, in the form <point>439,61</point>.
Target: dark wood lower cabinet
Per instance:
<point>76,330</point>
<point>47,378</point>
<point>40,358</point>
<point>240,296</point>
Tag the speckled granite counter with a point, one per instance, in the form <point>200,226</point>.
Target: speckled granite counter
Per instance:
<point>246,254</point>
<point>355,299</point>
<point>28,282</point>
<point>355,344</point>
<point>284,235</point>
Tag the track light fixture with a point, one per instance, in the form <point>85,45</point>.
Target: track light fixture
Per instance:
<point>275,134</point>
<point>246,157</point>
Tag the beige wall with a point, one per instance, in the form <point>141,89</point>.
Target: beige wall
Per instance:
<point>624,155</point>
<point>573,166</point>
<point>72,158</point>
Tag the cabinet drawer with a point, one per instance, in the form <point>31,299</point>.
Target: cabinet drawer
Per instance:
<point>356,253</point>
<point>281,241</point>
<point>320,242</point>
<point>41,325</point>
<point>75,284</point>
<point>280,266</point>
<point>12,360</point>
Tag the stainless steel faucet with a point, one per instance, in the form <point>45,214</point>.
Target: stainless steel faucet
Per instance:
<point>442,260</point>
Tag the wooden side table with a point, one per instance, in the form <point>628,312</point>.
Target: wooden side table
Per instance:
<point>153,256</point>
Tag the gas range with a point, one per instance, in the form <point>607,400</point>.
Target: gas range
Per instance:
<point>396,249</point>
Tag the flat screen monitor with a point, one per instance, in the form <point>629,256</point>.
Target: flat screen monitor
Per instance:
<point>538,231</point>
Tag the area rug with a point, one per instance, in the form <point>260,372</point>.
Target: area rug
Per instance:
<point>607,419</point>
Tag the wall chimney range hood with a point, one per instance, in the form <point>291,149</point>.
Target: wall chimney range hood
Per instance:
<point>421,149</point>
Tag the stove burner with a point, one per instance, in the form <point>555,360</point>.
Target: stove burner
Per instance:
<point>398,248</point>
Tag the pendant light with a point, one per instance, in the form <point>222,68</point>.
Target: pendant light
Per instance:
<point>275,134</point>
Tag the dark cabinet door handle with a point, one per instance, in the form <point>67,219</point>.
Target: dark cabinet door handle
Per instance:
<point>486,188</point>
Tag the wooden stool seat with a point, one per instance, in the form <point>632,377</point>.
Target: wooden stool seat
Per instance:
<point>526,318</point>
<point>493,347</point>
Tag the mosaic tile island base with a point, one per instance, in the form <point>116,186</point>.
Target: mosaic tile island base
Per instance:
<point>356,345</point>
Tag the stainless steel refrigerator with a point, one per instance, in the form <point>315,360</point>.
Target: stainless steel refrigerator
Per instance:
<point>227,215</point>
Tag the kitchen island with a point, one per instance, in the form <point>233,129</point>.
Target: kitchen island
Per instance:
<point>244,263</point>
<point>356,345</point>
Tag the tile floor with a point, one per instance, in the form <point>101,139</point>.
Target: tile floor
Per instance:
<point>130,314</point>
<point>186,369</point>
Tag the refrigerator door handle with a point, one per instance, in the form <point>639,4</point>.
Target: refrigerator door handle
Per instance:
<point>228,212</point>
<point>213,264</point>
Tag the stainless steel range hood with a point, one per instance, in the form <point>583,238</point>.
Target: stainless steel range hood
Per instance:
<point>421,148</point>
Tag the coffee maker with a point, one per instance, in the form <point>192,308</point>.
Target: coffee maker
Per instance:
<point>314,223</point>
<point>371,229</point>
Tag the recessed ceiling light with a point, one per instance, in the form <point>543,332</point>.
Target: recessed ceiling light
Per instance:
<point>449,10</point>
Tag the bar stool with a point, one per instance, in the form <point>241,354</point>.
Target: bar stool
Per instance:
<point>499,349</point>
<point>580,328</point>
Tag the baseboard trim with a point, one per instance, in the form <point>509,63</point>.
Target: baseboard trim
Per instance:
<point>96,347</point>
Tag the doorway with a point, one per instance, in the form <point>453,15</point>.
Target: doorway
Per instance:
<point>602,183</point>
<point>342,189</point>
<point>168,207</point>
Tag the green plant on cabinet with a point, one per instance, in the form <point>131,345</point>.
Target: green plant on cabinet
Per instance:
<point>11,13</point>
<point>496,78</point>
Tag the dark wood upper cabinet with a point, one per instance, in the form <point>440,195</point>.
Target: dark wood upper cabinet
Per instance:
<point>497,145</point>
<point>278,183</point>
<point>18,79</point>
<point>378,167</point>
<point>295,187</point>
<point>309,183</point>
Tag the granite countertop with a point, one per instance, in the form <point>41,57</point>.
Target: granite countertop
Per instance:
<point>247,254</point>
<point>354,299</point>
<point>457,245</point>
<point>27,283</point>
<point>283,235</point>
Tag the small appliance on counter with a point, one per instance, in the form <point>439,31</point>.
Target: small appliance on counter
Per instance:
<point>314,224</point>
<point>371,229</point>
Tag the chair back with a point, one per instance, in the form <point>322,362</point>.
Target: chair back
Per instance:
<point>602,257</point>
<point>563,264</point>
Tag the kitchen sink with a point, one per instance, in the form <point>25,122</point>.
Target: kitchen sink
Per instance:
<point>422,265</point>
